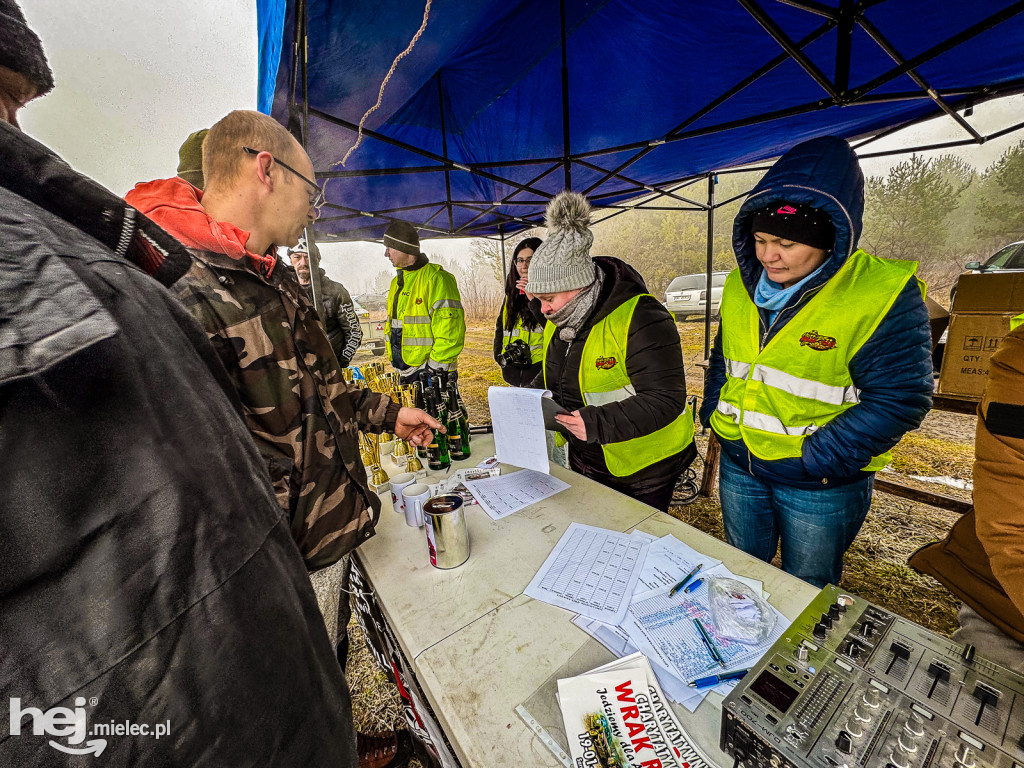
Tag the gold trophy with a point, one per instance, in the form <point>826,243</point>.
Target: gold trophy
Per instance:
<point>379,480</point>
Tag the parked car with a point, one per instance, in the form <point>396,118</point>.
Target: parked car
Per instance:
<point>361,313</point>
<point>374,302</point>
<point>1009,257</point>
<point>687,295</point>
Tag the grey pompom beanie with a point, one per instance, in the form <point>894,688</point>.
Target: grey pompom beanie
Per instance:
<point>563,262</point>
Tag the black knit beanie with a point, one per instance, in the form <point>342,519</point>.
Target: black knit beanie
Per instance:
<point>403,237</point>
<point>799,223</point>
<point>21,50</point>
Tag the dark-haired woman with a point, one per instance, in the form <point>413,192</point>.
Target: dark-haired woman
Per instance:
<point>520,321</point>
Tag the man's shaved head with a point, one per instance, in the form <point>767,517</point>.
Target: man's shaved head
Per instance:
<point>223,158</point>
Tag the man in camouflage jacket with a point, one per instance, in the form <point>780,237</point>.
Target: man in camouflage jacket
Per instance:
<point>304,416</point>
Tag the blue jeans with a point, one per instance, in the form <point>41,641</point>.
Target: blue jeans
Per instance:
<point>815,526</point>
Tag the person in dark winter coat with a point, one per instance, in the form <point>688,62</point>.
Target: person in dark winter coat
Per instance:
<point>612,358</point>
<point>147,573</point>
<point>821,364</point>
<point>340,321</point>
<point>520,320</point>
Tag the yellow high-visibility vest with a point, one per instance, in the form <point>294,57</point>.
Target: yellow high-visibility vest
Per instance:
<point>430,317</point>
<point>603,379</point>
<point>775,397</point>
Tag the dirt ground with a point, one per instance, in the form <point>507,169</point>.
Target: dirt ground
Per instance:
<point>875,566</point>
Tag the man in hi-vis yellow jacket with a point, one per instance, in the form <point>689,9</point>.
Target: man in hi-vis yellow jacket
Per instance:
<point>426,326</point>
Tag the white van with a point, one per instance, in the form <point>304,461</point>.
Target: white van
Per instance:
<point>687,294</point>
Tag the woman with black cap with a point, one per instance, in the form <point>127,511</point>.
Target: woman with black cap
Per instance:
<point>822,362</point>
<point>518,334</point>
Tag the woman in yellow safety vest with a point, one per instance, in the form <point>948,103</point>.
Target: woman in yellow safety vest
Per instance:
<point>612,359</point>
<point>518,332</point>
<point>822,362</point>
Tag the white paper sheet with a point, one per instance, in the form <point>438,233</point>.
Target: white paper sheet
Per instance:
<point>518,420</point>
<point>591,571</point>
<point>501,496</point>
<point>663,628</point>
<point>669,560</point>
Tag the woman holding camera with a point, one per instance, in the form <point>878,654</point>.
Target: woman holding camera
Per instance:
<point>612,359</point>
<point>518,333</point>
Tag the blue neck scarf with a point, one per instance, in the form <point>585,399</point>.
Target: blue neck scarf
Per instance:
<point>773,297</point>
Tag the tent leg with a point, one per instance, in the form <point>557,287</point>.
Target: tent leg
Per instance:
<point>709,266</point>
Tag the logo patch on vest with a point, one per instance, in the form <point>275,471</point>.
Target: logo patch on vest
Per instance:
<point>419,301</point>
<point>605,363</point>
<point>815,340</point>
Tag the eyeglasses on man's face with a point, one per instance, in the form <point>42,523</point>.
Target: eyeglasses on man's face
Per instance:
<point>317,200</point>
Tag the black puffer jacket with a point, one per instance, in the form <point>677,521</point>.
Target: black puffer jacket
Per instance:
<point>655,366</point>
<point>144,561</point>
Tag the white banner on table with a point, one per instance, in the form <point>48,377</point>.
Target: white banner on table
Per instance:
<point>503,495</point>
<point>592,571</point>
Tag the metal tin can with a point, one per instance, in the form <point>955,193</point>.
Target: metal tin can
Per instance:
<point>447,534</point>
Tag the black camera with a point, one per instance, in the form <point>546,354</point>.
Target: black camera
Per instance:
<point>515,355</point>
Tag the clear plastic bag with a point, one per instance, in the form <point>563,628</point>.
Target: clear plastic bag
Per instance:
<point>738,612</point>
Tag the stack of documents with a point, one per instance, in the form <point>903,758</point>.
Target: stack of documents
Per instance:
<point>619,585</point>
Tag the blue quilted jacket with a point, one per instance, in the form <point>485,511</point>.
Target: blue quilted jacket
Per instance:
<point>893,370</point>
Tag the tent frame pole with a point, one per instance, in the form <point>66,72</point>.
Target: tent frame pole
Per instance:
<point>444,153</point>
<point>709,265</point>
<point>565,103</point>
<point>501,231</point>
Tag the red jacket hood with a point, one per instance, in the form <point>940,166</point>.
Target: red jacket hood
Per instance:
<point>176,206</point>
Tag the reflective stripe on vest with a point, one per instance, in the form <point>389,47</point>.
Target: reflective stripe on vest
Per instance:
<point>775,397</point>
<point>603,379</point>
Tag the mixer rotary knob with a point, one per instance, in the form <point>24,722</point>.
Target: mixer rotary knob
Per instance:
<point>965,757</point>
<point>899,759</point>
<point>802,653</point>
<point>872,696</point>
<point>820,631</point>
<point>854,727</point>
<point>844,743</point>
<point>906,743</point>
<point>862,713</point>
<point>914,725</point>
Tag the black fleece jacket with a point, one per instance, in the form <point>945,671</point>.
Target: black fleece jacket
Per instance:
<point>654,362</point>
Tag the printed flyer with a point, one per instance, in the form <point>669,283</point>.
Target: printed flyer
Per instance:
<point>617,717</point>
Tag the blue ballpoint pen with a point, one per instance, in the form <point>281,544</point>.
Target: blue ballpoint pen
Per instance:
<point>692,586</point>
<point>686,578</point>
<point>704,682</point>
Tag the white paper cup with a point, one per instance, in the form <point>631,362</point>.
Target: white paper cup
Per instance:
<point>398,484</point>
<point>415,495</point>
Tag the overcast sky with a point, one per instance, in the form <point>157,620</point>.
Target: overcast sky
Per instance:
<point>135,78</point>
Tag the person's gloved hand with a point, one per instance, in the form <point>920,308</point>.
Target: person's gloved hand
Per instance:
<point>416,426</point>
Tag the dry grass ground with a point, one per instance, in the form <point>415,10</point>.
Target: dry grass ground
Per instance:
<point>875,566</point>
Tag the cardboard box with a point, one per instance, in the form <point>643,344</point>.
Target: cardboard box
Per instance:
<point>982,310</point>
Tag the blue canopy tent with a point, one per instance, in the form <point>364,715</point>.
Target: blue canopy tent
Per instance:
<point>502,103</point>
